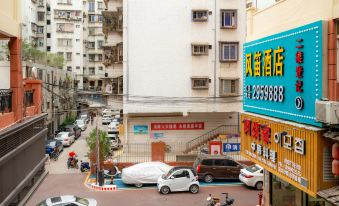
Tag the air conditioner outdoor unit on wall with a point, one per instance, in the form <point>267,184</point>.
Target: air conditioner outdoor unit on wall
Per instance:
<point>327,112</point>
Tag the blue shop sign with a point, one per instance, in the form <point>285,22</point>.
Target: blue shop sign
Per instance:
<point>282,74</point>
<point>230,147</point>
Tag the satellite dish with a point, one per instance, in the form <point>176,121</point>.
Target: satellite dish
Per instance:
<point>34,72</point>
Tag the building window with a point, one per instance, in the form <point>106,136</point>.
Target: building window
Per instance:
<point>91,45</point>
<point>69,68</point>
<point>91,31</point>
<point>65,42</point>
<point>48,48</point>
<point>48,35</point>
<point>41,42</point>
<point>41,16</point>
<point>100,42</point>
<point>200,82</point>
<point>78,67</point>
<point>78,54</point>
<point>199,49</point>
<point>99,57</point>
<point>100,5</point>
<point>61,54</point>
<point>91,6</point>
<point>229,51</point>
<point>84,3</point>
<point>84,55</point>
<point>77,40</point>
<point>99,18</point>
<point>91,70</point>
<point>100,68</point>
<point>77,26</point>
<point>91,18</point>
<point>69,56</point>
<point>199,15</point>
<point>228,18</point>
<point>91,57</point>
<point>48,22</point>
<point>229,87</point>
<point>40,30</point>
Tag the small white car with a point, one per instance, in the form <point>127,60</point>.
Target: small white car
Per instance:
<point>252,176</point>
<point>68,200</point>
<point>81,124</point>
<point>179,179</point>
<point>66,138</point>
<point>106,119</point>
<point>85,117</point>
<point>107,112</point>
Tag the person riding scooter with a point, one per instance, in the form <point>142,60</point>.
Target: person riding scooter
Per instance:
<point>72,160</point>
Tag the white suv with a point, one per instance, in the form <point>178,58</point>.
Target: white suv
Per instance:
<point>179,179</point>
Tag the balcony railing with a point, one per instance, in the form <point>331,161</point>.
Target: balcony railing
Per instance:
<point>29,98</point>
<point>5,100</point>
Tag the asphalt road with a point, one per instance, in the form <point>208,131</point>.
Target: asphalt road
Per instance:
<point>65,184</point>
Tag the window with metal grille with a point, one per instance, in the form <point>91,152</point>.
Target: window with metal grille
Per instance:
<point>199,49</point>
<point>199,15</point>
<point>200,82</point>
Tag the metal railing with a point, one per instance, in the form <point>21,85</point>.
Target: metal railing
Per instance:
<point>5,100</point>
<point>203,139</point>
<point>29,94</point>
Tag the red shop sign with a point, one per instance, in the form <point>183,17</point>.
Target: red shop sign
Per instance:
<point>178,126</point>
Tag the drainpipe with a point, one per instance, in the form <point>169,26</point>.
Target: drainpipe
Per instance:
<point>127,50</point>
<point>215,50</point>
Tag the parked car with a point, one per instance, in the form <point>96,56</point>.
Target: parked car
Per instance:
<point>210,167</point>
<point>106,119</point>
<point>74,129</point>
<point>179,179</point>
<point>252,176</point>
<point>66,138</point>
<point>107,112</point>
<point>113,126</point>
<point>81,124</point>
<point>51,144</point>
<point>114,139</point>
<point>68,200</point>
<point>85,117</point>
<point>144,173</point>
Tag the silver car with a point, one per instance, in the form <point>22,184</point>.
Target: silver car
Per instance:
<point>66,138</point>
<point>68,200</point>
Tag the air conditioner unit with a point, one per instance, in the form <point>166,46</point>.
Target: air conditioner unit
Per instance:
<point>327,112</point>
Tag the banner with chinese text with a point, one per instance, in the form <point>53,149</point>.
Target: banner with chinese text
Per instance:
<point>178,126</point>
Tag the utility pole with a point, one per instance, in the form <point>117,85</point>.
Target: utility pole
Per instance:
<point>53,129</point>
<point>98,148</point>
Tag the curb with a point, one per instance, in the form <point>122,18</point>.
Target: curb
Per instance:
<point>104,188</point>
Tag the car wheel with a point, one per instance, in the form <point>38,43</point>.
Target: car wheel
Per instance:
<point>208,178</point>
<point>165,190</point>
<point>194,189</point>
<point>259,185</point>
<point>139,185</point>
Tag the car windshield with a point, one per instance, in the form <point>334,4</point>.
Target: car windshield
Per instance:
<point>60,135</point>
<point>81,200</point>
<point>52,144</point>
<point>165,176</point>
<point>253,168</point>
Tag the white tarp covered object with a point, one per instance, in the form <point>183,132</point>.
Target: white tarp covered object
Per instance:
<point>144,173</point>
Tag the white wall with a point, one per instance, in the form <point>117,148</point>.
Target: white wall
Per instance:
<point>157,54</point>
<point>211,121</point>
<point>5,75</point>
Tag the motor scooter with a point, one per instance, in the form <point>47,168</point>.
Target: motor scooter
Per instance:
<point>214,201</point>
<point>84,166</point>
<point>72,163</point>
<point>116,173</point>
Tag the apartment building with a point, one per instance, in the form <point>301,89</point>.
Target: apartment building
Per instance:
<point>34,23</point>
<point>65,35</point>
<point>181,64</point>
<point>113,52</point>
<point>22,128</point>
<point>94,70</point>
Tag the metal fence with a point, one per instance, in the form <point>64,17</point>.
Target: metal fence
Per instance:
<point>5,100</point>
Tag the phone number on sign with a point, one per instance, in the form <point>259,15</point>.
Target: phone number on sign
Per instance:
<point>265,92</point>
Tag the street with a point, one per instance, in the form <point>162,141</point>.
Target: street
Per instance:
<point>58,184</point>
<point>63,181</point>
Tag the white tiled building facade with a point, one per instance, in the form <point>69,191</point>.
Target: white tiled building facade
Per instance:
<point>182,62</point>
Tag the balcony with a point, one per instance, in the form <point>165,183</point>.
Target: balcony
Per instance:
<point>5,100</point>
<point>112,21</point>
<point>113,54</point>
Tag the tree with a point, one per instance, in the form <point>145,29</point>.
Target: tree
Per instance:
<point>104,145</point>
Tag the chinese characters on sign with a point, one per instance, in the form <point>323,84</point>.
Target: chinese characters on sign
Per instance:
<point>178,126</point>
<point>299,59</point>
<point>265,92</point>
<point>231,147</point>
